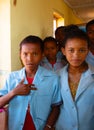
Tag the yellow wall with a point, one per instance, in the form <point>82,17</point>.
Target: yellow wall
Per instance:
<point>35,17</point>
<point>27,17</point>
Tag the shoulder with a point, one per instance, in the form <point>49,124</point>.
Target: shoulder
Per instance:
<point>16,74</point>
<point>91,69</point>
<point>45,72</point>
<point>44,60</point>
<point>63,70</point>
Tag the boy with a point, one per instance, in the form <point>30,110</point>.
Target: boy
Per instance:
<point>59,36</point>
<point>33,97</point>
<point>51,61</point>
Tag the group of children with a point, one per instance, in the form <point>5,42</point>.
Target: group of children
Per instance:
<point>40,99</point>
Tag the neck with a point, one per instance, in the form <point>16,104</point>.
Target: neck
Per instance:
<point>30,73</point>
<point>79,69</point>
<point>52,60</point>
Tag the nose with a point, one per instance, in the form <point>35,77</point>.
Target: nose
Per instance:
<point>49,51</point>
<point>76,54</point>
<point>30,57</point>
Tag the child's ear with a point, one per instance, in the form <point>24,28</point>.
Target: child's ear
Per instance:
<point>63,50</point>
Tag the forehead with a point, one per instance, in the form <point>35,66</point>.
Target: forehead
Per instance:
<point>90,27</point>
<point>76,42</point>
<point>30,46</point>
<point>50,43</point>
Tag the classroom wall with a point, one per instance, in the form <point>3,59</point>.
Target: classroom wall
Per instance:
<point>35,17</point>
<point>5,60</point>
<point>27,17</point>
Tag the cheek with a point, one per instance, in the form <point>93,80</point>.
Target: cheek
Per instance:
<point>54,51</point>
<point>23,59</point>
<point>84,56</point>
<point>90,35</point>
<point>38,59</point>
<point>45,52</point>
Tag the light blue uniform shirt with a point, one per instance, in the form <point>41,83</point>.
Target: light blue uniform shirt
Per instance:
<point>41,100</point>
<point>77,114</point>
<point>56,67</point>
<point>90,58</point>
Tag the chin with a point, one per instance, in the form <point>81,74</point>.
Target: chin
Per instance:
<point>76,65</point>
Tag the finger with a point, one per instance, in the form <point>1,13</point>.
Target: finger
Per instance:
<point>32,85</point>
<point>33,88</point>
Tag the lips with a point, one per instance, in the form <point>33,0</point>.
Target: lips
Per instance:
<point>76,60</point>
<point>30,64</point>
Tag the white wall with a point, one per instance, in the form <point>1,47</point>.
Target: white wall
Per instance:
<point>5,60</point>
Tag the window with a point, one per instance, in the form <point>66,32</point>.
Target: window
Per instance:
<point>58,20</point>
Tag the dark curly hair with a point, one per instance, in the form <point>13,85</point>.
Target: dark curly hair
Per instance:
<point>75,33</point>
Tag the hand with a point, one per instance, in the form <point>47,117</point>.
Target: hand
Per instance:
<point>23,89</point>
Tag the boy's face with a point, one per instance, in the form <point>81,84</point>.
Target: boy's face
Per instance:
<point>50,50</point>
<point>90,33</point>
<point>59,37</point>
<point>31,55</point>
<point>75,51</point>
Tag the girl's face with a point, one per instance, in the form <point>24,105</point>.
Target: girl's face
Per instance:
<point>75,50</point>
<point>31,55</point>
<point>50,50</point>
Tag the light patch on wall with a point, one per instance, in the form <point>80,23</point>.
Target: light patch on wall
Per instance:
<point>58,20</point>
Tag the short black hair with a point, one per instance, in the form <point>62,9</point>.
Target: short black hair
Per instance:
<point>50,39</point>
<point>60,28</point>
<point>76,33</point>
<point>32,39</point>
<point>89,24</point>
<point>71,27</point>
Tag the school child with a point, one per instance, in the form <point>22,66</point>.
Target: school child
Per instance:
<point>33,97</point>
<point>50,60</point>
<point>77,84</point>
<point>59,36</point>
<point>90,33</point>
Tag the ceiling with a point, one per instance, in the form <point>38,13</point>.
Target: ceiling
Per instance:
<point>84,9</point>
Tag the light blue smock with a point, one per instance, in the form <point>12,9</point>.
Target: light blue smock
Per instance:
<point>41,100</point>
<point>56,67</point>
<point>77,114</point>
<point>90,58</point>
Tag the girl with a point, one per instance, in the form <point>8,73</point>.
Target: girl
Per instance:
<point>77,84</point>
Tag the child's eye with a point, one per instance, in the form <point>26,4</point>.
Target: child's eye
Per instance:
<point>90,32</point>
<point>71,50</point>
<point>25,54</point>
<point>82,50</point>
<point>35,54</point>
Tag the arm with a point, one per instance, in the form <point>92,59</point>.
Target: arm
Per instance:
<point>6,98</point>
<point>52,118</point>
<point>20,89</point>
